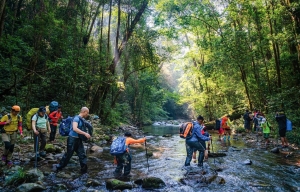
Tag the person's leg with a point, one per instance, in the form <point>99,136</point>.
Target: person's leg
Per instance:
<point>127,165</point>
<point>200,146</point>
<point>43,137</point>
<point>6,147</point>
<point>189,154</point>
<point>120,165</point>
<point>53,132</point>
<point>82,156</point>
<point>13,138</point>
<point>71,145</point>
<point>285,142</point>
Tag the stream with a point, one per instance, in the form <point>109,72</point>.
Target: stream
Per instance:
<point>268,171</point>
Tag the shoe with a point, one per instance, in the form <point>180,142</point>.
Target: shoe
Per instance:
<point>4,158</point>
<point>83,169</point>
<point>9,164</point>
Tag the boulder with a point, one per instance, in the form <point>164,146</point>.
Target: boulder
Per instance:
<point>115,184</point>
<point>26,187</point>
<point>50,148</point>
<point>96,149</point>
<point>247,162</point>
<point>275,150</point>
<point>219,180</point>
<point>153,183</point>
<point>93,183</point>
<point>34,175</point>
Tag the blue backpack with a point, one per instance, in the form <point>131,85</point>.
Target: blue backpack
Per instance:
<point>53,106</point>
<point>289,126</point>
<point>65,126</point>
<point>118,146</point>
<point>218,123</point>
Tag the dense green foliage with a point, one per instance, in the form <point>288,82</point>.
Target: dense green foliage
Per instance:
<point>218,57</point>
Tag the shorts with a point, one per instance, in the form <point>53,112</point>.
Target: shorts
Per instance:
<point>228,131</point>
<point>247,126</point>
<point>282,132</point>
<point>266,135</point>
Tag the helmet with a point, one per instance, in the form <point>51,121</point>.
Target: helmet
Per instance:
<point>16,108</point>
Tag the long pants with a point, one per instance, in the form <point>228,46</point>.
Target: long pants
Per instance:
<point>42,138</point>
<point>190,147</point>
<point>9,141</point>
<point>123,161</point>
<point>53,132</point>
<point>74,144</point>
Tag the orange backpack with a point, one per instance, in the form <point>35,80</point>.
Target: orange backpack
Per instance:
<point>186,130</point>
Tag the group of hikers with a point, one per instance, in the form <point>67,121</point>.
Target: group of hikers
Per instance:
<point>42,124</point>
<point>260,124</point>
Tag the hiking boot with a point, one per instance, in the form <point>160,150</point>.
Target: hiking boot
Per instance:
<point>83,169</point>
<point>4,158</point>
<point>9,164</point>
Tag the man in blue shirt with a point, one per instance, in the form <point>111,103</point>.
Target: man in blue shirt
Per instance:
<point>74,143</point>
<point>196,142</point>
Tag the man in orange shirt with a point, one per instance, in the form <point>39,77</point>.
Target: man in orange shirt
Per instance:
<point>124,160</point>
<point>55,116</point>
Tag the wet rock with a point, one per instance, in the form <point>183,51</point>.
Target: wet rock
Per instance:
<point>247,162</point>
<point>149,154</point>
<point>63,175</point>
<point>96,149</point>
<point>181,189</point>
<point>209,178</point>
<point>275,150</point>
<point>115,184</point>
<point>50,148</point>
<point>60,187</point>
<point>219,180</point>
<point>26,187</point>
<point>93,183</point>
<point>58,149</point>
<point>167,135</point>
<point>153,183</point>
<point>34,175</point>
<point>216,154</point>
<point>49,157</point>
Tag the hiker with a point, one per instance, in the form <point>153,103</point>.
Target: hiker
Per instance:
<point>11,122</point>
<point>205,133</point>
<point>281,120</point>
<point>221,130</point>
<point>74,143</point>
<point>266,129</point>
<point>247,121</point>
<point>55,116</point>
<point>197,141</point>
<point>257,121</point>
<point>124,160</point>
<point>40,125</point>
<point>226,128</point>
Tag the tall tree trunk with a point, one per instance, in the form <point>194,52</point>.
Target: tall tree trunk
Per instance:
<point>2,16</point>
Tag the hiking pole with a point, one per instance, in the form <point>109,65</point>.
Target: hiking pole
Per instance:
<point>146,154</point>
<point>212,147</point>
<point>36,151</point>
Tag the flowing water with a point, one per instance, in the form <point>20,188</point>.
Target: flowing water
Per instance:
<point>268,172</point>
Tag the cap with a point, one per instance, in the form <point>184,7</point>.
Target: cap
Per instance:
<point>42,109</point>
<point>16,108</point>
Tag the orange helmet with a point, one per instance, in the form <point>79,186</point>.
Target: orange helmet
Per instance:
<point>16,108</point>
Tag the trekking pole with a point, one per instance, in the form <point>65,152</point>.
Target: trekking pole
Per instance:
<point>36,151</point>
<point>146,154</point>
<point>212,147</point>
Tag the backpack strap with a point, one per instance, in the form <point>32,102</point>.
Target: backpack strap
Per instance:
<point>18,116</point>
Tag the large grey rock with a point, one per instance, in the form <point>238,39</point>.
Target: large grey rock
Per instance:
<point>153,183</point>
<point>34,175</point>
<point>115,184</point>
<point>26,187</point>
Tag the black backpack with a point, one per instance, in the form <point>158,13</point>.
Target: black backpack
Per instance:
<point>86,127</point>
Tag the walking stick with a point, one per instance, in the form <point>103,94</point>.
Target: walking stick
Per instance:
<point>36,150</point>
<point>212,147</point>
<point>146,154</point>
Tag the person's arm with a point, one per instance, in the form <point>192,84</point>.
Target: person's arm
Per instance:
<point>5,120</point>
<point>20,126</point>
<point>130,140</point>
<point>48,125</point>
<point>33,124</point>
<point>199,135</point>
<point>77,130</point>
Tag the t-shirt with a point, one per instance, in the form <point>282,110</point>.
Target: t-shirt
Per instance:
<point>13,126</point>
<point>41,121</point>
<point>80,124</point>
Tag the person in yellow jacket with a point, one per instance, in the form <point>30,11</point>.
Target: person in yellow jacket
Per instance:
<point>12,123</point>
<point>124,160</point>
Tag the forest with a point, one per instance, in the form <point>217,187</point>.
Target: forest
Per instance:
<point>137,61</point>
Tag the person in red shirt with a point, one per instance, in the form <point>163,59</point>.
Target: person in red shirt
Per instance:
<point>226,128</point>
<point>55,116</point>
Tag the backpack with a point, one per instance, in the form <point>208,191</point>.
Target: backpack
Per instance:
<point>218,124</point>
<point>185,130</point>
<point>29,116</point>
<point>9,117</point>
<point>53,106</point>
<point>289,126</point>
<point>118,146</point>
<point>65,126</point>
